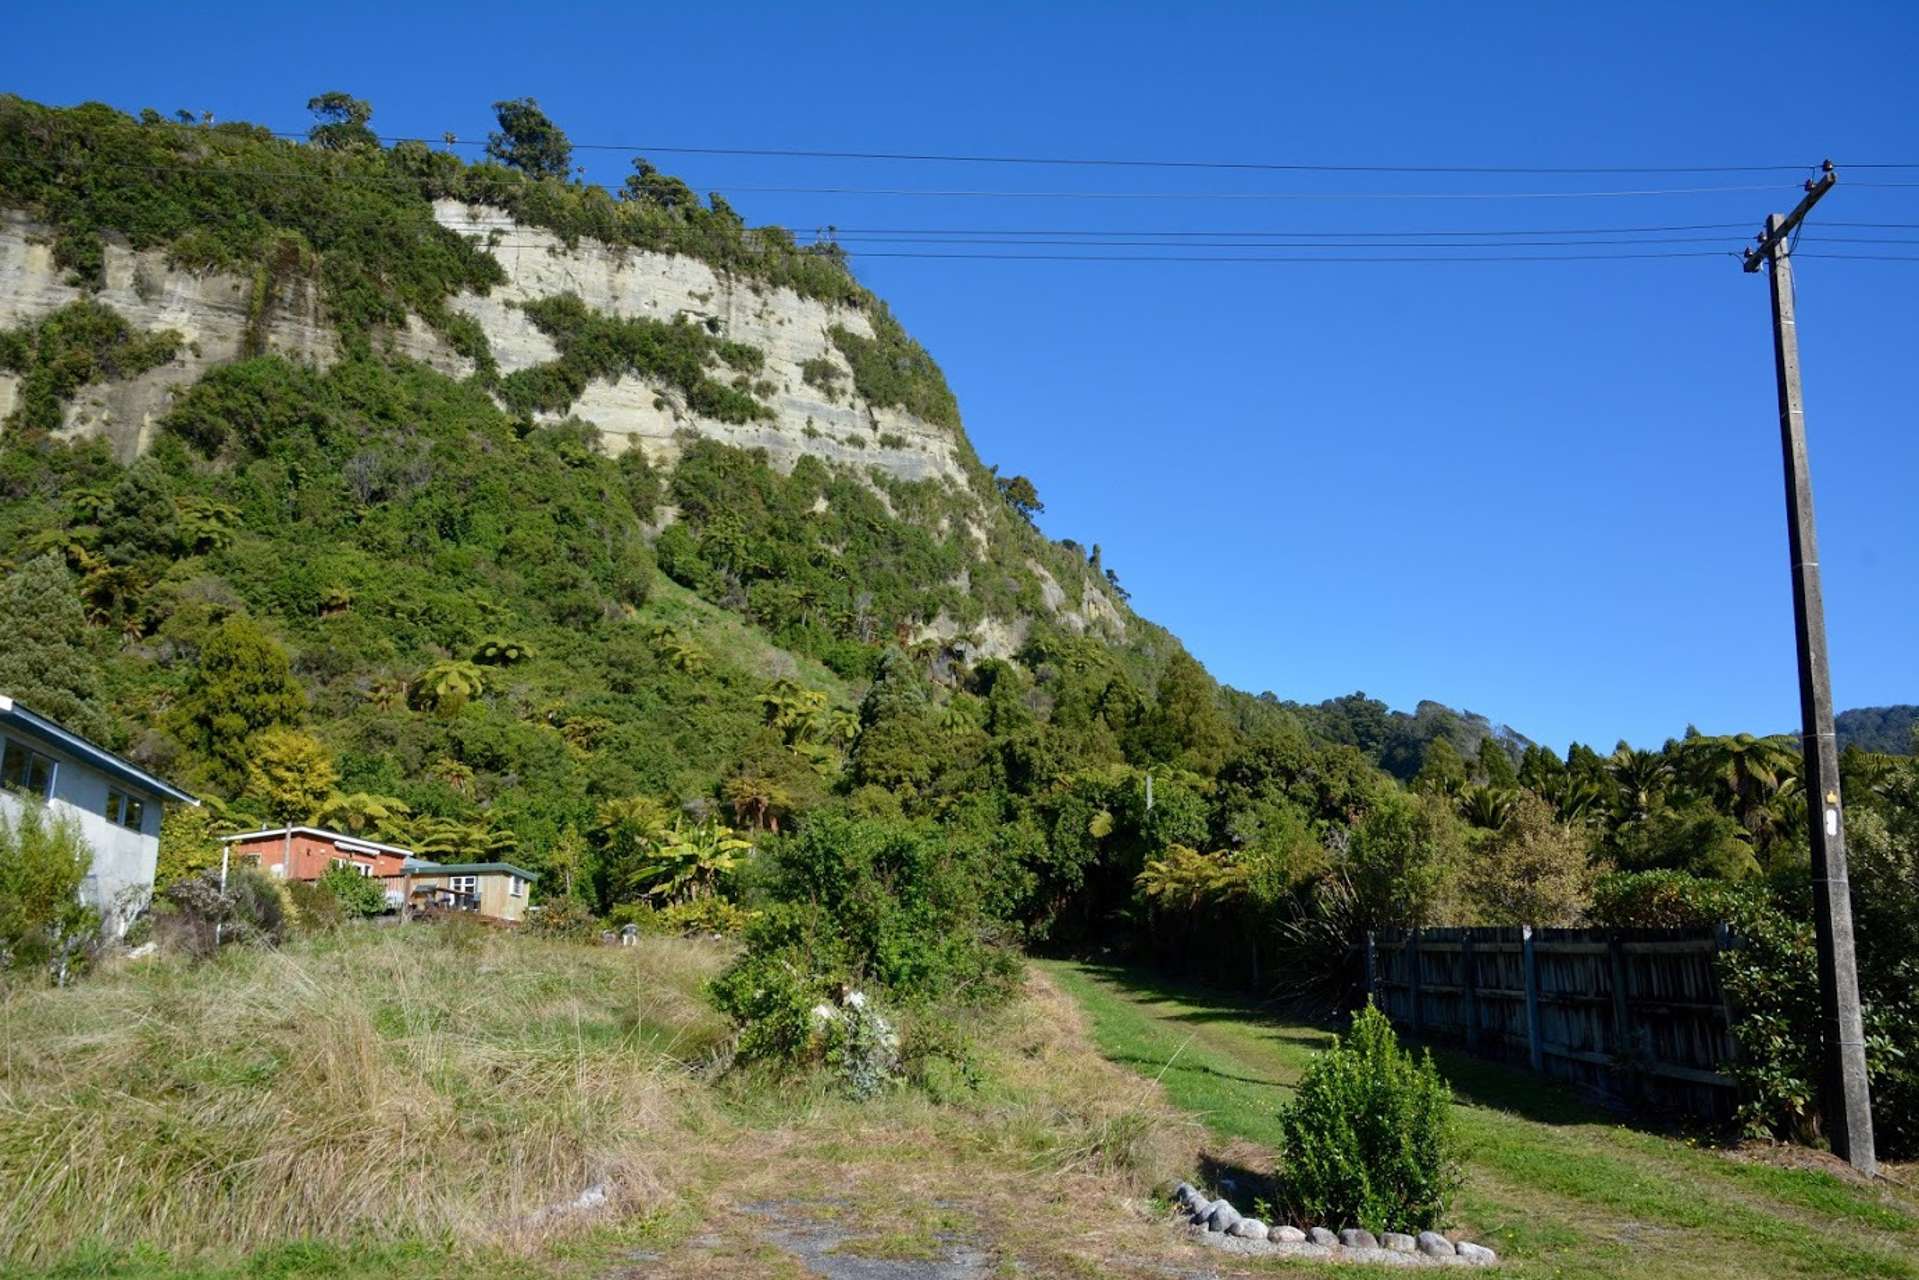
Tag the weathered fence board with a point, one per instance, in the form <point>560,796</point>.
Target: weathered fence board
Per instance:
<point>1635,1015</point>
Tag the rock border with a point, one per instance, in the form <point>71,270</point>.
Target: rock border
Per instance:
<point>1219,1224</point>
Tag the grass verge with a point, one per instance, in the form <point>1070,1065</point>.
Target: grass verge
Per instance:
<point>1558,1188</point>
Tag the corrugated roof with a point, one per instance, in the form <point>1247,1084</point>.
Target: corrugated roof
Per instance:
<point>341,838</point>
<point>18,718</point>
<point>480,868</point>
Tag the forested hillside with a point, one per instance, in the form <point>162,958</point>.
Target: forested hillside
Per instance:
<point>1888,730</point>
<point>376,563</point>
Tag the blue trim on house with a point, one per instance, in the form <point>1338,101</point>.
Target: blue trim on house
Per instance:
<point>17,718</point>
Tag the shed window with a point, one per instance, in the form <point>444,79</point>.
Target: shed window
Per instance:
<point>464,884</point>
<point>516,886</point>
<point>125,810</point>
<point>26,770</point>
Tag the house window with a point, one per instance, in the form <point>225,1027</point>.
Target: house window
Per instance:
<point>516,887</point>
<point>250,859</point>
<point>125,810</point>
<point>464,884</point>
<point>360,867</point>
<point>28,771</point>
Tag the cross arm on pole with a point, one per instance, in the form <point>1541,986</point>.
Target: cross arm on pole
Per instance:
<point>1777,228</point>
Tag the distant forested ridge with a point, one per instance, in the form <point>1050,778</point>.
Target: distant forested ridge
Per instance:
<point>1886,730</point>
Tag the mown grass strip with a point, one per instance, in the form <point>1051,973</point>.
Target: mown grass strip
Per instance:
<point>1561,1188</point>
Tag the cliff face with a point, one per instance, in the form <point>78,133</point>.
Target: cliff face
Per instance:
<point>805,379</point>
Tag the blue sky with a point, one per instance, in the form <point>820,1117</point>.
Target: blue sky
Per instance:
<point>1548,492</point>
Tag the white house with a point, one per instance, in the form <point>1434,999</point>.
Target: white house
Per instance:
<point>115,803</point>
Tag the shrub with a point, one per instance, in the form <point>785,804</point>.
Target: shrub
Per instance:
<point>1771,979</point>
<point>563,917</point>
<point>315,909</point>
<point>43,862</point>
<point>701,916</point>
<point>1369,1140</point>
<point>356,894</point>
<point>863,1048</point>
<point>201,917</point>
<point>1663,900</point>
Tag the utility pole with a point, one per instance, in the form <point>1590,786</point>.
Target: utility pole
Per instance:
<point>1848,1101</point>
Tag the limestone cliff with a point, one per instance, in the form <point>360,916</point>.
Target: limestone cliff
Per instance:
<point>224,317</point>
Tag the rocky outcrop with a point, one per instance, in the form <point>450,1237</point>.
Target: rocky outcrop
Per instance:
<point>224,317</point>
<point>214,313</point>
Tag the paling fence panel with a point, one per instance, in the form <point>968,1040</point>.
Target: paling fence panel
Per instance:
<point>1634,1015</point>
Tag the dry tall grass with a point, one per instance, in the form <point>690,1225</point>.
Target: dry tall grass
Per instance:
<point>379,1084</point>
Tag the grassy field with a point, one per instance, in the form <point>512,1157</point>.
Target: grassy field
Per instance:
<point>401,1103</point>
<point>1558,1188</point>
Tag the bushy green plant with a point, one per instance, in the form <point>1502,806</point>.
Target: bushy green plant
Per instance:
<point>43,926</point>
<point>1664,900</point>
<point>863,1047</point>
<point>357,895</point>
<point>708,915</point>
<point>315,908</point>
<point>563,917</point>
<point>1369,1140</point>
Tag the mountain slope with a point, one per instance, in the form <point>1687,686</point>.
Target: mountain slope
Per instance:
<point>534,499</point>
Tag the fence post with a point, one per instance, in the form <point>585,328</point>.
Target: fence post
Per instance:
<point>1535,1042</point>
<point>1625,1049</point>
<point>1372,960</point>
<point>1412,979</point>
<point>1470,981</point>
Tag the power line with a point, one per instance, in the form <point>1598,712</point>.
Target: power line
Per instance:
<point>214,171</point>
<point>969,194</point>
<point>805,153</point>
<point>1286,244</point>
<point>1060,231</point>
<point>1242,165</point>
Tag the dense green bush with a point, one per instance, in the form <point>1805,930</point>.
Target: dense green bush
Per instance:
<point>1369,1140</point>
<point>83,342</point>
<point>1664,900</point>
<point>888,908</point>
<point>357,895</point>
<point>43,926</point>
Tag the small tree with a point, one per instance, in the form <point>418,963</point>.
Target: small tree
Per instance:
<point>46,662</point>
<point>1532,870</point>
<point>356,894</point>
<point>340,122</point>
<point>1021,496</point>
<point>528,141</point>
<point>43,862</point>
<point>242,684</point>
<point>1369,1139</point>
<point>289,773</point>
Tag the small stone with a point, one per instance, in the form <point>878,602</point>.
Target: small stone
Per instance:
<point>1248,1229</point>
<point>1358,1238</point>
<point>1397,1241</point>
<point>1223,1217</point>
<point>1478,1253</point>
<point>1202,1208</point>
<point>1320,1235</point>
<point>1285,1235</point>
<point>1184,1193</point>
<point>1434,1245</point>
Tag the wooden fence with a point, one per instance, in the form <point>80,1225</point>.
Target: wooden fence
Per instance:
<point>1634,1015</point>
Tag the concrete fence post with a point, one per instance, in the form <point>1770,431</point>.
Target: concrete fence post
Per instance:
<point>1535,1040</point>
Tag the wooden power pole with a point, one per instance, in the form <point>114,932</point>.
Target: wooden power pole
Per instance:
<point>1847,1099</point>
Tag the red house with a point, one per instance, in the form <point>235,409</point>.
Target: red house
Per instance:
<point>304,853</point>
